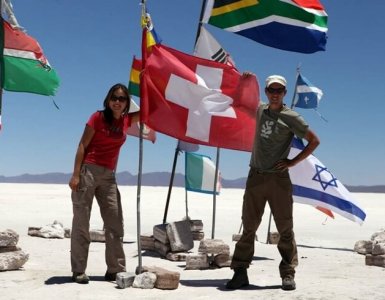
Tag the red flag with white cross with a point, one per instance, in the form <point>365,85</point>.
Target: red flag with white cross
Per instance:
<point>198,100</point>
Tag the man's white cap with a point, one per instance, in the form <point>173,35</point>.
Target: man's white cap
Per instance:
<point>275,78</point>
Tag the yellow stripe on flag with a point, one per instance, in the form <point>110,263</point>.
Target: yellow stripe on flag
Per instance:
<point>134,76</point>
<point>234,6</point>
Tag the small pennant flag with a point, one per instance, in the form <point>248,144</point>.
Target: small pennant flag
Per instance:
<point>200,174</point>
<point>307,95</point>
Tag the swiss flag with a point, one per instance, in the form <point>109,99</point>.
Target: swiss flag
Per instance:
<point>198,100</point>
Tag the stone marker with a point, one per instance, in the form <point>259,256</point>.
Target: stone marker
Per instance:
<point>8,237</point>
<point>161,248</point>
<point>125,279</point>
<point>147,242</point>
<point>54,230</point>
<point>180,236</point>
<point>197,262</point>
<point>12,260</point>
<point>165,279</point>
<point>222,260</point>
<point>363,247</point>
<point>375,260</point>
<point>177,256</point>
<point>145,280</point>
<point>213,246</point>
<point>160,234</point>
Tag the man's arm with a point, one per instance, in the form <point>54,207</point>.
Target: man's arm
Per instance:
<point>312,143</point>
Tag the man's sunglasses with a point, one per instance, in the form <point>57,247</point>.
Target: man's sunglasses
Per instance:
<point>275,91</point>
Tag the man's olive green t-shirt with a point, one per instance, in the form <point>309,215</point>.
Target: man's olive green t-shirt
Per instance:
<point>274,134</point>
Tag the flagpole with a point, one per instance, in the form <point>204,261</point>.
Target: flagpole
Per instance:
<point>177,147</point>
<point>200,21</point>
<point>1,62</point>
<point>138,223</point>
<point>295,87</point>
<point>215,193</point>
<point>171,183</point>
<point>218,149</point>
<point>139,185</point>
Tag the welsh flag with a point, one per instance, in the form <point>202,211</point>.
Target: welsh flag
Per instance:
<point>197,100</point>
<point>200,174</point>
<point>25,68</point>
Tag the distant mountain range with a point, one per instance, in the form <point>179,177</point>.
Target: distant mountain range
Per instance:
<point>154,179</point>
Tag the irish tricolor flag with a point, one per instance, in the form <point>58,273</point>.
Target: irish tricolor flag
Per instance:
<point>200,174</point>
<point>24,66</point>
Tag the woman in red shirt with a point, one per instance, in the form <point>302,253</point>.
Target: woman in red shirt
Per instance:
<point>94,176</point>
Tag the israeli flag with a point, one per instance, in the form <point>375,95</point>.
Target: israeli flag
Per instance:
<point>315,185</point>
<point>307,95</point>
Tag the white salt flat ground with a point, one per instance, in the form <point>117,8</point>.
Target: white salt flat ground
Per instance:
<point>328,268</point>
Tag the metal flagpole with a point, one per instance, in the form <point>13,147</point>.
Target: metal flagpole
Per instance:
<point>138,224</point>
<point>1,60</point>
<point>171,183</point>
<point>139,186</point>
<point>215,194</point>
<point>218,149</point>
<point>295,87</point>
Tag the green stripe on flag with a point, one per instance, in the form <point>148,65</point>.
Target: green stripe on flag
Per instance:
<point>263,10</point>
<point>134,89</point>
<point>200,174</point>
<point>194,171</point>
<point>30,76</point>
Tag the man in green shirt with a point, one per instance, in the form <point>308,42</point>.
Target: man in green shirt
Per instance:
<point>269,181</point>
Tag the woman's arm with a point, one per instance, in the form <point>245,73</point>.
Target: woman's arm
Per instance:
<point>87,136</point>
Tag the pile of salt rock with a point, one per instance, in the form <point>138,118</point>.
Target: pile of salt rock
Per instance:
<point>11,256</point>
<point>373,249</point>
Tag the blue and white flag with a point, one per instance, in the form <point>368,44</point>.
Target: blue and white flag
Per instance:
<point>314,184</point>
<point>307,95</point>
<point>200,174</point>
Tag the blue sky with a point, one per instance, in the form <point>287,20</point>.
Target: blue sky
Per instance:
<point>91,45</point>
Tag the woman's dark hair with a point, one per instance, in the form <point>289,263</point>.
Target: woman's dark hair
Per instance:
<point>107,112</point>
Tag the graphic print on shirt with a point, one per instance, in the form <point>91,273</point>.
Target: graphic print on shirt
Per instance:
<point>267,129</point>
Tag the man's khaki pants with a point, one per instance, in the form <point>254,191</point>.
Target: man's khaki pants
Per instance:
<point>99,182</point>
<point>276,189</point>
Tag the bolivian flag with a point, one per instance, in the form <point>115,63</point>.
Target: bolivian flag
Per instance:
<point>133,85</point>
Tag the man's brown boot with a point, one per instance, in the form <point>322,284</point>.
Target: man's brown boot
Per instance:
<point>239,279</point>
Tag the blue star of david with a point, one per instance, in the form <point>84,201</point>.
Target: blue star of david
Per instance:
<point>324,183</point>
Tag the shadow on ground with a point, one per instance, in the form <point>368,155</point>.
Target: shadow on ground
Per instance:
<point>68,279</point>
<point>220,284</point>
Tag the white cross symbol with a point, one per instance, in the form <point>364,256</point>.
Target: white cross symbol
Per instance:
<point>203,100</point>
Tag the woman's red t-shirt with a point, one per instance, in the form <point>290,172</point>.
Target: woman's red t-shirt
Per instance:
<point>105,145</point>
